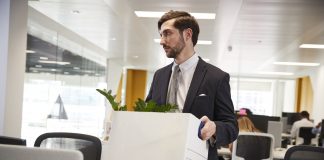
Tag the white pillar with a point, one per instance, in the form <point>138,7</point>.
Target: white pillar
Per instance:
<point>318,88</point>
<point>13,31</point>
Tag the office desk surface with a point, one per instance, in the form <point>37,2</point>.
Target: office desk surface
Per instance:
<point>278,153</point>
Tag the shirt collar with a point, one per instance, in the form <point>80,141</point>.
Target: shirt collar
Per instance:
<point>188,63</point>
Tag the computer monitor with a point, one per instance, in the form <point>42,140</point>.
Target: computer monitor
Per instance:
<point>291,117</point>
<point>261,121</point>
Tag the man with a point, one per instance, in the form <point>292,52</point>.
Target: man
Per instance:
<point>192,84</point>
<point>318,130</point>
<point>304,122</point>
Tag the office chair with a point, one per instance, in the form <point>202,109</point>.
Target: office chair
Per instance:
<point>15,152</point>
<point>12,141</point>
<point>89,146</point>
<point>303,152</point>
<point>253,146</point>
<point>305,136</point>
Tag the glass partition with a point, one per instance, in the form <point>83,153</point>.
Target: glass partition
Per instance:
<point>60,81</point>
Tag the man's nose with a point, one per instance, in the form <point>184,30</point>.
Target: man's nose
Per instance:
<point>162,41</point>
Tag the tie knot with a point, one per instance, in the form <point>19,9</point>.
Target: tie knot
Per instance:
<point>177,68</point>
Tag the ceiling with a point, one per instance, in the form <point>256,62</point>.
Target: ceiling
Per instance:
<point>247,35</point>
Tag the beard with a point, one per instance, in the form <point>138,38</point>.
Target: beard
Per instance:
<point>176,50</point>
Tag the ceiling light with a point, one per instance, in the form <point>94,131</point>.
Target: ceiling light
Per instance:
<point>76,68</point>
<point>43,58</point>
<point>201,42</point>
<point>30,51</point>
<point>206,59</point>
<point>277,73</point>
<point>152,14</point>
<point>204,42</point>
<point>296,64</point>
<point>54,62</point>
<point>38,66</point>
<point>318,46</point>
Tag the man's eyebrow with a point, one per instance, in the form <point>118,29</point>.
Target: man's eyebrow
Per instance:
<point>166,30</point>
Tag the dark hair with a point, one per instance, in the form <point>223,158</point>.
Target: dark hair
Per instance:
<point>183,21</point>
<point>304,114</point>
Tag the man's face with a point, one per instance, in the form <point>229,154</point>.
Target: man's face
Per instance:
<point>171,39</point>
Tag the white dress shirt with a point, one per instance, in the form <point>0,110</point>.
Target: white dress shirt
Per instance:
<point>301,123</point>
<point>187,69</point>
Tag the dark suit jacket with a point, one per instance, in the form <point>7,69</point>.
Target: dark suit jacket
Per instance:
<point>217,105</point>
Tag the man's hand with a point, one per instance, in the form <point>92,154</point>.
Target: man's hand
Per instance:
<point>319,124</point>
<point>209,129</point>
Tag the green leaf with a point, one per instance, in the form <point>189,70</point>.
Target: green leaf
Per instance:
<point>140,105</point>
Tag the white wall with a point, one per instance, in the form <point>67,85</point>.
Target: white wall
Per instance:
<point>317,78</point>
<point>4,32</point>
<point>13,40</point>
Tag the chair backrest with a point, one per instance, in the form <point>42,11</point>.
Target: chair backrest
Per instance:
<point>14,152</point>
<point>12,141</point>
<point>305,136</point>
<point>90,146</point>
<point>275,128</point>
<point>303,152</point>
<point>253,146</point>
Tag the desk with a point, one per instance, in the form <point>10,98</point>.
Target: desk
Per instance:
<point>278,153</point>
<point>286,135</point>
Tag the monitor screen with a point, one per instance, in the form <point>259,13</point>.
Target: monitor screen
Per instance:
<point>260,122</point>
<point>291,117</point>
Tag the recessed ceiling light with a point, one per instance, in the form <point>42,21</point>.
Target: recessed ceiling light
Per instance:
<point>76,68</point>
<point>54,62</point>
<point>43,58</point>
<point>318,46</point>
<point>135,56</point>
<point>206,59</point>
<point>296,64</point>
<point>152,14</point>
<point>30,51</point>
<point>201,42</point>
<point>277,73</point>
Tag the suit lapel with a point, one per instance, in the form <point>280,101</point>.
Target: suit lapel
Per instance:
<point>197,78</point>
<point>165,82</point>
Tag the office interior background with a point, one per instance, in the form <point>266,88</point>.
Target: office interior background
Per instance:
<point>55,53</point>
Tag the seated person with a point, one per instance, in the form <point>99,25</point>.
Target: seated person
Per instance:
<point>245,125</point>
<point>317,130</point>
<point>303,122</point>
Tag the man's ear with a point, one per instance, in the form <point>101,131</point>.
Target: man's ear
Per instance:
<point>188,33</point>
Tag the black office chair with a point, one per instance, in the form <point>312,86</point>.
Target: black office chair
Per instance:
<point>305,136</point>
<point>90,146</point>
<point>253,146</point>
<point>12,141</point>
<point>303,152</point>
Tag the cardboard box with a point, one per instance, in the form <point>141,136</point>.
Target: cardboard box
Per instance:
<point>154,136</point>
